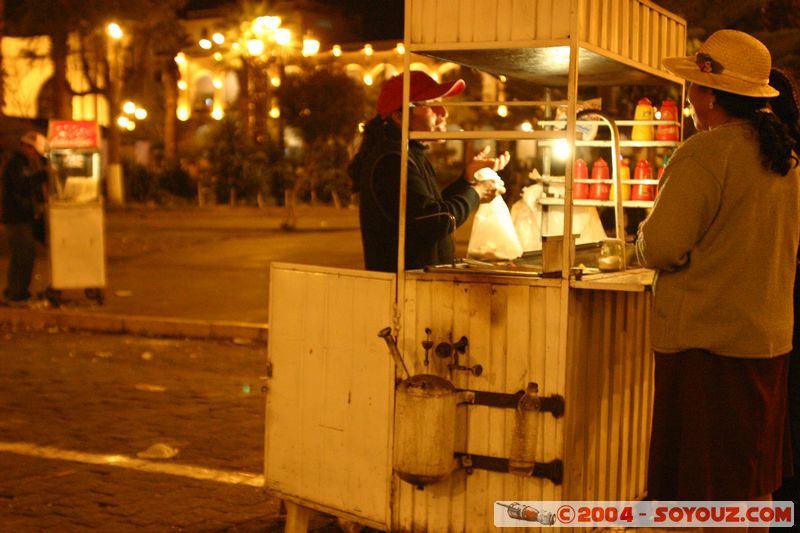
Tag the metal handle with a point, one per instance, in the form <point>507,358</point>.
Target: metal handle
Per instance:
<point>386,333</point>
<point>619,217</point>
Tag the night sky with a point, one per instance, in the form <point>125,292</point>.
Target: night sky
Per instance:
<point>382,19</point>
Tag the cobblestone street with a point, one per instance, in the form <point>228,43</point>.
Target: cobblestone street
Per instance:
<point>78,403</point>
<point>103,400</point>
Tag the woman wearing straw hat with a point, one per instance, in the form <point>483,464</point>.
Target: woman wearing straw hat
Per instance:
<point>787,108</point>
<point>723,237</point>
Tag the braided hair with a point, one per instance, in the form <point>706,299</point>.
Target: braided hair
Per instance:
<point>787,104</point>
<point>775,139</point>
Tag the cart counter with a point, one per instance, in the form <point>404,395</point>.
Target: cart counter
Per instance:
<point>331,434</point>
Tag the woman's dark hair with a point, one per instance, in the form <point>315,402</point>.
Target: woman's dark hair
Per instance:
<point>787,104</point>
<point>374,131</point>
<point>775,140</point>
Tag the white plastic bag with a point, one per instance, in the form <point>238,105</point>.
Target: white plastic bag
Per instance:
<point>526,215</point>
<point>493,235</point>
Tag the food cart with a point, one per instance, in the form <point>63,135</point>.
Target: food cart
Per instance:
<point>507,382</point>
<point>75,210</point>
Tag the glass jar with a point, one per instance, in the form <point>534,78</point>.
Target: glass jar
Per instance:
<point>610,258</point>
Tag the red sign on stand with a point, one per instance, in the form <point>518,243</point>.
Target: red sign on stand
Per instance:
<point>73,134</point>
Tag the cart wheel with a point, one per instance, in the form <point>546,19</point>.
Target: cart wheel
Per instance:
<point>98,295</point>
<point>53,296</point>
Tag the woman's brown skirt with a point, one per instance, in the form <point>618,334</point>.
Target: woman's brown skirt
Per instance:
<point>719,427</point>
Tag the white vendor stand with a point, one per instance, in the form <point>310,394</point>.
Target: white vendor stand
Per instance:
<point>525,387</point>
<point>75,211</point>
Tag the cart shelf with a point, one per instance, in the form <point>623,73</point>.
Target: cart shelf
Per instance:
<point>620,42</point>
<point>598,203</point>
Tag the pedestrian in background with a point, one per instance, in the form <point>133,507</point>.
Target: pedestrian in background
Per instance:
<point>431,216</point>
<point>24,184</point>
<point>723,238</point>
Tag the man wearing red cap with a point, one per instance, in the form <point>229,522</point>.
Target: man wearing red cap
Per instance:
<point>431,216</point>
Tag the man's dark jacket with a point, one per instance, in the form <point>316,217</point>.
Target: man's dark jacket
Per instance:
<point>22,190</point>
<point>431,216</point>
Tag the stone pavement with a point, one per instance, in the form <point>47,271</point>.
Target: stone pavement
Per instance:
<point>109,432</point>
<point>95,400</point>
<point>199,272</point>
<point>196,272</point>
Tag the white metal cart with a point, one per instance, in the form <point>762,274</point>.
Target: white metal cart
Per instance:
<point>75,211</point>
<point>336,438</point>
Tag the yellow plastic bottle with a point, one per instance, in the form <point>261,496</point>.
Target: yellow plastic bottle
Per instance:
<point>644,111</point>
<point>624,175</point>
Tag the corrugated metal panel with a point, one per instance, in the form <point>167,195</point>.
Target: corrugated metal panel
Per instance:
<point>330,398</point>
<point>609,395</point>
<point>480,21</point>
<point>485,20</point>
<point>512,332</point>
<point>636,31</point>
<point>523,17</point>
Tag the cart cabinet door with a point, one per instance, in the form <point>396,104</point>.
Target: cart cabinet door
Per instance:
<point>77,246</point>
<point>330,394</point>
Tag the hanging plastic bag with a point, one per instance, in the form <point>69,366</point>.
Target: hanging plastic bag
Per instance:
<point>526,214</point>
<point>493,235</point>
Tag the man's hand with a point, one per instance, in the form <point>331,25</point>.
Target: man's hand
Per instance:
<point>487,190</point>
<point>483,160</point>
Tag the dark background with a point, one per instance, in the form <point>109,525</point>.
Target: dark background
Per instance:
<point>380,19</point>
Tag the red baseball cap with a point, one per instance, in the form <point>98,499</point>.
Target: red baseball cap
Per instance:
<point>423,88</point>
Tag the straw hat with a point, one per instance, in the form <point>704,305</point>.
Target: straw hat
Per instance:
<point>730,61</point>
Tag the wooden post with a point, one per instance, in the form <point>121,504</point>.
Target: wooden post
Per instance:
<point>297,518</point>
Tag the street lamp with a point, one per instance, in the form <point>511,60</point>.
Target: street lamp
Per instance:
<point>255,47</point>
<point>259,46</point>
<point>130,111</point>
<point>283,36</point>
<point>114,31</point>
<point>116,187</point>
<point>310,47</point>
<point>264,41</point>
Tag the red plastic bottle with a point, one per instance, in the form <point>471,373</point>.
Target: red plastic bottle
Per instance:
<point>669,132</point>
<point>580,190</point>
<point>644,171</point>
<point>599,191</point>
<point>661,172</point>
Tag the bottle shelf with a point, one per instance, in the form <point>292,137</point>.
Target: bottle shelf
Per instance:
<point>591,180</point>
<point>543,136</point>
<point>563,123</point>
<point>597,203</point>
<point>623,143</point>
